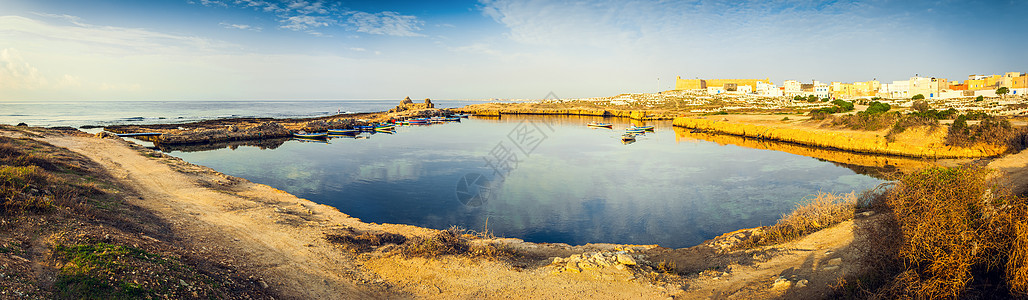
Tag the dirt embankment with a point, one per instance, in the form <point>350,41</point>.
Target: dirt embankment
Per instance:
<point>287,244</point>
<point>914,142</point>
<point>499,109</point>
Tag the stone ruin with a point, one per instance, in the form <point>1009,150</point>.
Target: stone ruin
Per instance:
<point>408,104</point>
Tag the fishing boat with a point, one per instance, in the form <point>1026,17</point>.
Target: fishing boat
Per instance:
<point>628,137</point>
<point>646,128</point>
<point>365,128</point>
<point>343,131</point>
<point>635,131</point>
<point>308,135</point>
<point>599,125</point>
<point>462,116</point>
<point>452,119</point>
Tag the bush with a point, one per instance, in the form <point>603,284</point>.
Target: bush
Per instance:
<point>956,229</point>
<point>867,121</point>
<point>979,98</point>
<point>877,108</point>
<point>917,97</point>
<point>990,130</point>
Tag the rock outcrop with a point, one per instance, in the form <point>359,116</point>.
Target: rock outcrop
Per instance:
<point>407,104</point>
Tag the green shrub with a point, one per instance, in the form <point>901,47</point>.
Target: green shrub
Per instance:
<point>917,97</point>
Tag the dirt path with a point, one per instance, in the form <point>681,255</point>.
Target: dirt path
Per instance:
<point>268,232</point>
<point>294,260</point>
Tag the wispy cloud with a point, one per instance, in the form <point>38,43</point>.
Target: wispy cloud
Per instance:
<point>386,23</point>
<point>119,39</point>
<point>309,15</point>
<point>240,26</point>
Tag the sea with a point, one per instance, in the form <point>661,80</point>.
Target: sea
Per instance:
<point>537,178</point>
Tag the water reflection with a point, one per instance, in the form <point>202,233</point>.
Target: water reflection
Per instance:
<point>879,166</point>
<point>579,185</point>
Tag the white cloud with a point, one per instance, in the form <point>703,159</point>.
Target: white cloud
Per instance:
<point>386,23</point>
<point>240,26</point>
<point>303,23</point>
<point>116,39</point>
<point>16,74</point>
<point>358,49</point>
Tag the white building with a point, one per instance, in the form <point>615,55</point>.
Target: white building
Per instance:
<point>792,88</point>
<point>899,89</point>
<point>768,90</point>
<point>820,89</point>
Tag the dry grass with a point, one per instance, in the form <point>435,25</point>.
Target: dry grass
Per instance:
<point>814,213</point>
<point>453,241</point>
<point>959,236</point>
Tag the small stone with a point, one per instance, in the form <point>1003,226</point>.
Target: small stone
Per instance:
<point>625,259</point>
<point>829,268</point>
<point>781,283</point>
<point>835,261</point>
<point>866,214</point>
<point>264,285</point>
<point>182,282</point>
<point>802,283</point>
<point>588,266</point>
<point>558,260</point>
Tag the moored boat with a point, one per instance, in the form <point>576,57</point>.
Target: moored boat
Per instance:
<point>628,137</point>
<point>599,125</point>
<point>647,128</point>
<point>343,131</point>
<point>310,135</point>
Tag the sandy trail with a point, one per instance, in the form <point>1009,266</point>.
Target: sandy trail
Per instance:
<point>293,260</point>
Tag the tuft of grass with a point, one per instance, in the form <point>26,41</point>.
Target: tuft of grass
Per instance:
<point>813,214</point>
<point>452,241</point>
<point>366,241</point>
<point>94,271</point>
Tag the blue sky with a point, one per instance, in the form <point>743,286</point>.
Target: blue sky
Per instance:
<point>316,49</point>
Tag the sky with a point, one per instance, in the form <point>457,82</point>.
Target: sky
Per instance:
<point>504,49</point>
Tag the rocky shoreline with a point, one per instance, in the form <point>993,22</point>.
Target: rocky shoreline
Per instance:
<point>257,129</point>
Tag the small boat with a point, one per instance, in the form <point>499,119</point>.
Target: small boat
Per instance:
<point>383,126</point>
<point>635,131</point>
<point>365,128</point>
<point>647,128</point>
<point>307,135</point>
<point>343,131</point>
<point>462,116</point>
<point>628,137</point>
<point>452,119</point>
<point>598,125</point>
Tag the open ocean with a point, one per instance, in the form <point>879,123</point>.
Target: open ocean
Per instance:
<point>103,113</point>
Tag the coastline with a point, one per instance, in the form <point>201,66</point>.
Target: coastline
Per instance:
<point>285,242</point>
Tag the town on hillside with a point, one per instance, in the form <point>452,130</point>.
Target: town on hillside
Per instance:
<point>996,94</point>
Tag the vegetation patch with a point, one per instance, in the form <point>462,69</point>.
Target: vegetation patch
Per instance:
<point>361,242</point>
<point>958,236</point>
<point>453,241</point>
<point>813,214</point>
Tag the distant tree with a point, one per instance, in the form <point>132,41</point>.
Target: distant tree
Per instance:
<point>979,98</point>
<point>918,97</point>
<point>921,106</point>
<point>1002,91</point>
<point>798,97</point>
<point>812,98</point>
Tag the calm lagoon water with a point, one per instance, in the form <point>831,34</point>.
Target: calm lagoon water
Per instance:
<point>574,185</point>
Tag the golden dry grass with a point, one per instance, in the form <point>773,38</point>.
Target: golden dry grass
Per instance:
<point>957,230</point>
<point>812,214</point>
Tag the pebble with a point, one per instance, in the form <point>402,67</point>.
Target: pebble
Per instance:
<point>835,261</point>
<point>781,283</point>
